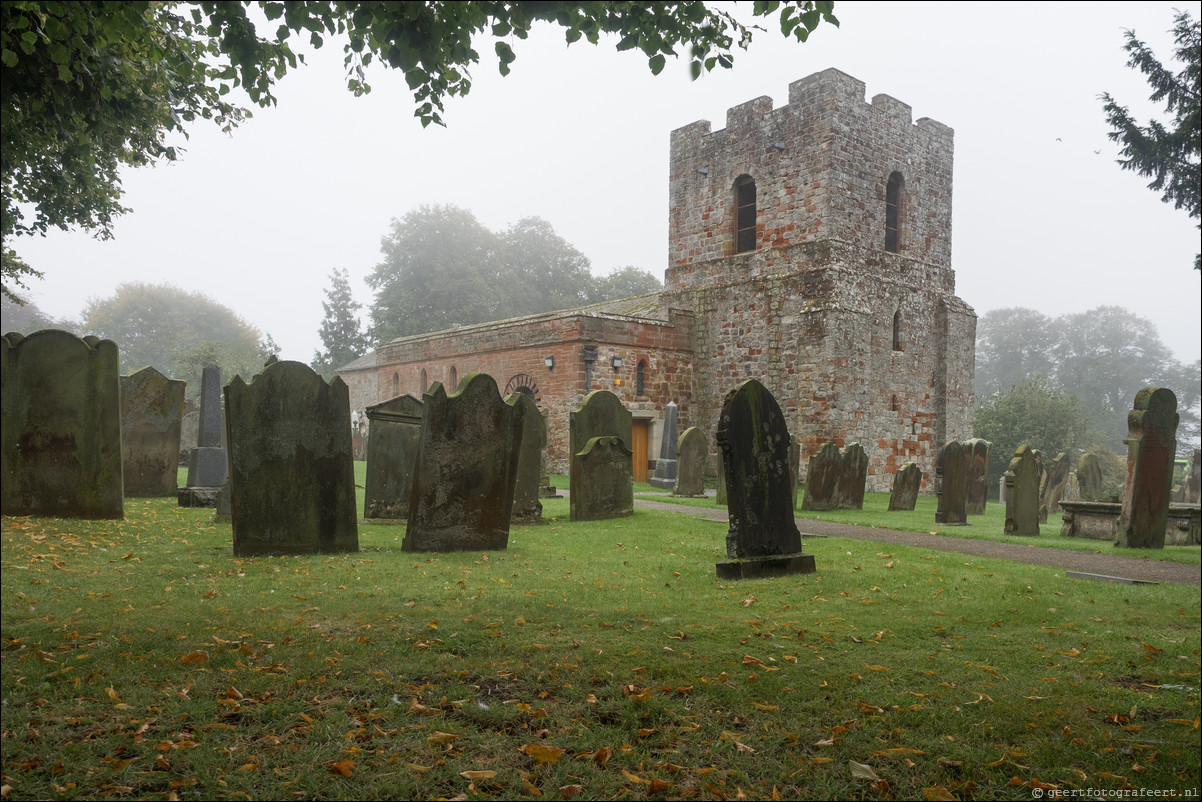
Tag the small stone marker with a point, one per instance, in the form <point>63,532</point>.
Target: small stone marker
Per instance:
<point>527,509</point>
<point>666,465</point>
<point>208,464</point>
<point>468,451</point>
<point>151,416</point>
<point>906,484</point>
<point>978,453</point>
<point>1022,494</point>
<point>61,426</point>
<point>601,414</point>
<point>1151,447</point>
<point>692,449</point>
<point>822,479</point>
<point>392,438</point>
<point>292,476</point>
<point>763,539</point>
<point>950,470</point>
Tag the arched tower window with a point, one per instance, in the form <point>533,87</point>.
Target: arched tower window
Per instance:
<point>640,378</point>
<point>396,384</point>
<point>893,202</point>
<point>454,377</point>
<point>744,214</point>
<point>897,337</point>
<point>425,381</point>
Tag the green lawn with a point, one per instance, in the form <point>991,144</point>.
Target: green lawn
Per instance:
<point>141,659</point>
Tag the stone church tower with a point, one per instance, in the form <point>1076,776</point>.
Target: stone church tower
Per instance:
<point>809,248</point>
<point>813,245</point>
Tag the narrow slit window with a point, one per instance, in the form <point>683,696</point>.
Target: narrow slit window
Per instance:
<point>744,214</point>
<point>454,377</point>
<point>897,338</point>
<point>640,378</point>
<point>396,384</point>
<point>893,200</point>
<point>425,381</point>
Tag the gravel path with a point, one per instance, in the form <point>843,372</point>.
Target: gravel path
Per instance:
<point>1084,561</point>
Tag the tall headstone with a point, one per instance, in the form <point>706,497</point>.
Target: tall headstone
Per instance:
<point>1022,494</point>
<point>853,472</point>
<point>950,470</point>
<point>1191,484</point>
<point>151,417</point>
<point>978,453</point>
<point>468,451</point>
<point>1043,481</point>
<point>392,437</point>
<point>601,414</point>
<point>607,490</point>
<point>720,473</point>
<point>292,475</point>
<point>527,509</point>
<point>1151,447</point>
<point>794,469</point>
<point>666,465</point>
<point>691,452</point>
<point>208,464</point>
<point>822,479</point>
<point>1089,478</point>
<point>1057,480</point>
<point>763,539</point>
<point>906,483</point>
<point>61,426</point>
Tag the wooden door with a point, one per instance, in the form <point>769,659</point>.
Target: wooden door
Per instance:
<point>638,445</point>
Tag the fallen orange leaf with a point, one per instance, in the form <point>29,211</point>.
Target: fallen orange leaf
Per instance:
<point>543,753</point>
<point>343,767</point>
<point>569,791</point>
<point>438,737</point>
<point>478,775</point>
<point>195,658</point>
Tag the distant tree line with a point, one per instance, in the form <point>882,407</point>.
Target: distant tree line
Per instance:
<point>1067,383</point>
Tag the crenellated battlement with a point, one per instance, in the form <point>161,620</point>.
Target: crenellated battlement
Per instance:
<point>821,166</point>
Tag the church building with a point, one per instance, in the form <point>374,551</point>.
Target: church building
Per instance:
<point>809,247</point>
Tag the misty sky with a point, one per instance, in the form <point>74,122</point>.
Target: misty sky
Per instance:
<point>1043,217</point>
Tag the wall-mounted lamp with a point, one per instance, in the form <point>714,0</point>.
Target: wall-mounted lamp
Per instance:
<point>703,170</point>
<point>617,362</point>
<point>549,361</point>
<point>778,145</point>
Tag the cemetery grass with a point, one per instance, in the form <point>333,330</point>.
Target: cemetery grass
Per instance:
<point>989,526</point>
<point>599,660</point>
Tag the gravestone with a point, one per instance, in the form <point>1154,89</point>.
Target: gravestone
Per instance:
<point>794,469</point>
<point>906,483</point>
<point>224,511</point>
<point>1151,446</point>
<point>608,487</point>
<point>691,452</point>
<point>1089,478</point>
<point>1188,491</point>
<point>978,453</point>
<point>822,479</point>
<point>950,470</point>
<point>601,414</point>
<point>1022,494</point>
<point>853,472</point>
<point>527,509</point>
<point>1043,482</point>
<point>208,464</point>
<point>61,426</point>
<point>189,430</point>
<point>291,469</point>
<point>468,454</point>
<point>151,416</point>
<point>666,465</point>
<point>1057,480</point>
<point>763,539</point>
<point>392,437</point>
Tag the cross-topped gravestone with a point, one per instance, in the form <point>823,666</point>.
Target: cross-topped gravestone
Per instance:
<point>763,539</point>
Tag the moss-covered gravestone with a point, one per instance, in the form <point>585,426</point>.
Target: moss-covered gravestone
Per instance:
<point>822,479</point>
<point>1056,483</point>
<point>853,472</point>
<point>950,471</point>
<point>527,509</point>
<point>608,491</point>
<point>468,455</point>
<point>152,408</point>
<point>292,478</point>
<point>1090,479</point>
<point>1022,494</point>
<point>392,439</point>
<point>906,483</point>
<point>60,426</point>
<point>976,480</point>
<point>1151,448</point>
<point>601,414</point>
<point>763,539</point>
<point>692,451</point>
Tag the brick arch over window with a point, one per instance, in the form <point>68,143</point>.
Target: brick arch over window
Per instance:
<point>745,239</point>
<point>894,202</point>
